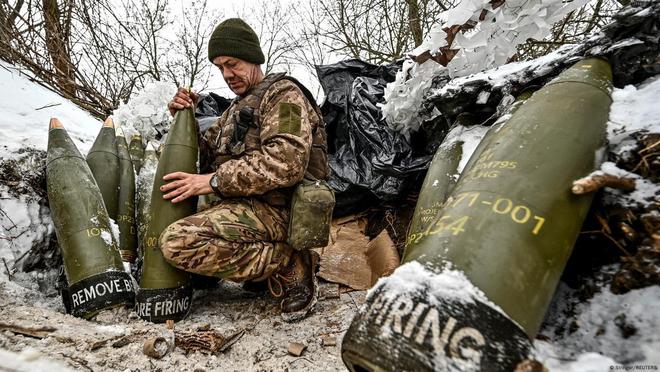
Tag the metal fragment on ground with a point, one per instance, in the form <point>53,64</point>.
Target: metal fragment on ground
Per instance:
<point>296,349</point>
<point>155,347</point>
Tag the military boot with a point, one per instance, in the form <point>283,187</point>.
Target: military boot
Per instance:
<point>296,285</point>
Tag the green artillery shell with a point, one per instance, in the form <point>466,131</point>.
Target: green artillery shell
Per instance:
<point>440,179</point>
<point>165,292</point>
<point>145,186</point>
<point>104,163</point>
<point>441,176</point>
<point>137,152</point>
<point>506,231</point>
<point>126,208</point>
<point>520,100</point>
<point>92,262</point>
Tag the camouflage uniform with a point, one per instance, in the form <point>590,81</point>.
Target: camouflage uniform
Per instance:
<point>242,237</point>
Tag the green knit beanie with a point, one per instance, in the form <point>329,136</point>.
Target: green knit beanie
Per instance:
<point>235,38</point>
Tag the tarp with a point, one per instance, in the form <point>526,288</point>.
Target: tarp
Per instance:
<point>209,108</point>
<point>367,159</point>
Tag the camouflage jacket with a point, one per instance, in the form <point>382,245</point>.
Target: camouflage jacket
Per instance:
<point>275,155</point>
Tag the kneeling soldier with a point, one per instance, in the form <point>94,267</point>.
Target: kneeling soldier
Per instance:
<point>269,139</point>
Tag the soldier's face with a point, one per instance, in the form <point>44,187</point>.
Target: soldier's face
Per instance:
<point>239,75</point>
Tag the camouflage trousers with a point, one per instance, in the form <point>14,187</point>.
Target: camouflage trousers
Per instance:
<point>236,239</point>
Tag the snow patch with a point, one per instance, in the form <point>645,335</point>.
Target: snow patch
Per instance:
<point>645,192</point>
<point>26,110</point>
<point>610,324</point>
<point>587,362</point>
<point>107,238</point>
<point>469,137</point>
<point>633,109</point>
<point>29,360</point>
<point>114,228</point>
<point>413,277</point>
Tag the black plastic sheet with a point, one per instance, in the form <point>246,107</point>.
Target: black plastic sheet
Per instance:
<point>367,158</point>
<point>208,110</point>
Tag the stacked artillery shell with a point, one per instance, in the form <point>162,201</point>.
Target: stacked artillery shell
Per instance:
<point>92,262</point>
<point>126,208</point>
<point>439,178</point>
<point>145,186</point>
<point>475,286</point>
<point>164,291</point>
<point>137,152</point>
<point>104,164</point>
<point>520,100</point>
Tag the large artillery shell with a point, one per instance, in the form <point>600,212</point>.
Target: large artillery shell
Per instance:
<point>485,270</point>
<point>501,121</point>
<point>126,208</point>
<point>165,292</point>
<point>439,181</point>
<point>104,164</point>
<point>92,262</point>
<point>137,152</point>
<point>442,175</point>
<point>145,186</point>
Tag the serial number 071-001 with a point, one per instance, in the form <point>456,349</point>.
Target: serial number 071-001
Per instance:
<point>520,214</point>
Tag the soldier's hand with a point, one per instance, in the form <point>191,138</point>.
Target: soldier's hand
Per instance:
<point>181,100</point>
<point>184,185</point>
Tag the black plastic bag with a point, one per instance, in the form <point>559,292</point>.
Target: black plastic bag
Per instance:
<point>208,110</point>
<point>366,158</point>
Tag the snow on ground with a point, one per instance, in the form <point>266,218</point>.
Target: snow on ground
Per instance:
<point>29,359</point>
<point>607,330</point>
<point>634,110</point>
<point>622,327</point>
<point>26,110</point>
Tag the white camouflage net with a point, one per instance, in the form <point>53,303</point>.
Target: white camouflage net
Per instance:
<point>489,44</point>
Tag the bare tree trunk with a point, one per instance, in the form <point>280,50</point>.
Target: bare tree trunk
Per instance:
<point>414,21</point>
<point>7,18</point>
<point>57,36</point>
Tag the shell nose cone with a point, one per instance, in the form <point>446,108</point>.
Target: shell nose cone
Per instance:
<point>55,123</point>
<point>108,123</point>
